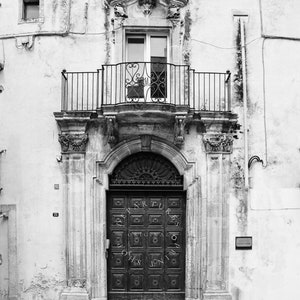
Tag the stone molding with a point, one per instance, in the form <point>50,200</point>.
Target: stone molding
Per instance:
<point>218,143</point>
<point>71,143</point>
<point>77,282</point>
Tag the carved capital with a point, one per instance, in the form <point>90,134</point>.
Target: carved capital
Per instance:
<point>111,133</point>
<point>179,130</point>
<point>218,143</point>
<point>73,142</point>
<point>77,282</point>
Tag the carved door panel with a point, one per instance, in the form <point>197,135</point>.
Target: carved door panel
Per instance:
<point>146,259</point>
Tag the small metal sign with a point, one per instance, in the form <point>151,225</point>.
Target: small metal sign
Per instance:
<point>243,243</point>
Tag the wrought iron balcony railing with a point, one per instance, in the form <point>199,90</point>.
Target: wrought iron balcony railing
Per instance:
<point>146,82</point>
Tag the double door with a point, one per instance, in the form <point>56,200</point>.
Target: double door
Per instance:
<point>146,257</point>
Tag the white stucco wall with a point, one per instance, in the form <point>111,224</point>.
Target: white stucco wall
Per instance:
<point>29,169</point>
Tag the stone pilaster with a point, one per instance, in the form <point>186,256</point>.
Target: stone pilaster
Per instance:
<point>73,139</point>
<point>218,146</point>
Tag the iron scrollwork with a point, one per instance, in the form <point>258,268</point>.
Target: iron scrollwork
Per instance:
<point>146,81</point>
<point>146,169</point>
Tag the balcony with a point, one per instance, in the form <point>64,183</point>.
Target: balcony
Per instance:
<point>146,84</point>
<point>145,96</point>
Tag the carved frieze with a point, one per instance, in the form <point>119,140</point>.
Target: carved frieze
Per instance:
<point>120,11</point>
<point>218,143</point>
<point>73,142</point>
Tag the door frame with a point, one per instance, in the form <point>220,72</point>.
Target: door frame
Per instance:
<point>195,212</point>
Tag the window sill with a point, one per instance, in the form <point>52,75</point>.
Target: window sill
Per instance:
<point>29,21</point>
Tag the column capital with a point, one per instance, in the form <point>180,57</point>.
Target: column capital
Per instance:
<point>73,137</point>
<point>218,142</point>
<point>73,142</point>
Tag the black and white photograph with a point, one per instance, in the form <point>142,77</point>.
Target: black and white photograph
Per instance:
<point>149,149</point>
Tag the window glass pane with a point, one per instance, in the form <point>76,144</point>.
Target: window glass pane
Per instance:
<point>31,11</point>
<point>158,46</point>
<point>135,49</point>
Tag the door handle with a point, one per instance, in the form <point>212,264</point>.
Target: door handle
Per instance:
<point>1,260</point>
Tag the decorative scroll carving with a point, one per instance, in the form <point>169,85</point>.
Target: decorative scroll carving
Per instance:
<point>144,169</point>
<point>111,130</point>
<point>178,3</point>
<point>73,142</point>
<point>221,143</point>
<point>179,131</point>
<point>77,282</point>
<point>147,6</point>
<point>120,11</point>
<point>173,12</point>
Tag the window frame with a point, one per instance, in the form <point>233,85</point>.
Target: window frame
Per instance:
<point>22,13</point>
<point>147,32</point>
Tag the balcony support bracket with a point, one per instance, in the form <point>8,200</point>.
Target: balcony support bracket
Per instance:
<point>111,130</point>
<point>179,130</point>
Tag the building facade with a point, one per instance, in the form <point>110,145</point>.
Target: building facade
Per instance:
<point>149,149</point>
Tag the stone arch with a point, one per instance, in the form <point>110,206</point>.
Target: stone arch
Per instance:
<point>150,144</point>
<point>192,186</point>
<point>145,169</point>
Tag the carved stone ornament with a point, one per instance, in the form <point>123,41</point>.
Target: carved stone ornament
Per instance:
<point>218,143</point>
<point>147,6</point>
<point>178,3</point>
<point>77,282</point>
<point>120,11</point>
<point>111,130</point>
<point>173,13</point>
<point>146,142</point>
<point>73,142</point>
<point>179,131</point>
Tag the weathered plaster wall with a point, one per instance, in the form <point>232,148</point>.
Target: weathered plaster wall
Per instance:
<point>29,133</point>
<point>270,211</point>
<point>29,169</point>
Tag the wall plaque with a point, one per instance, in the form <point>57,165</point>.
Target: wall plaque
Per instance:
<point>243,243</point>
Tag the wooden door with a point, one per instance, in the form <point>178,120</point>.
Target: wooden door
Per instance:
<point>146,258</point>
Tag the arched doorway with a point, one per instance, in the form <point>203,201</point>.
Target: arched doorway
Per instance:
<point>146,229</point>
